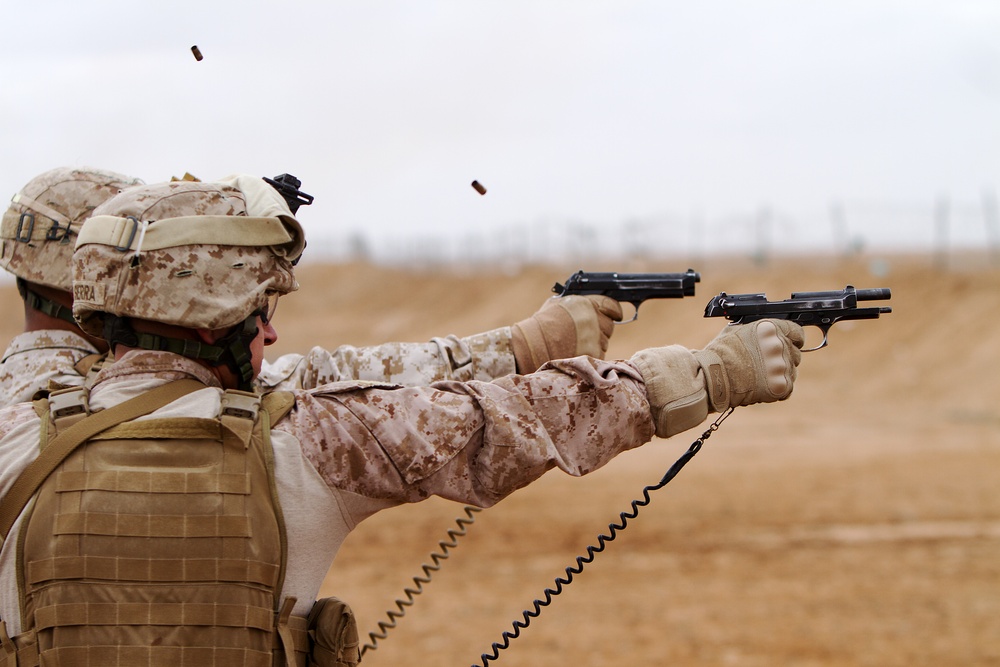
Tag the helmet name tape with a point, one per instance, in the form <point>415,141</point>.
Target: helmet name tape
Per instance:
<point>89,292</point>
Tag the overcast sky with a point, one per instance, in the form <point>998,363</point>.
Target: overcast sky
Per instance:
<point>593,111</point>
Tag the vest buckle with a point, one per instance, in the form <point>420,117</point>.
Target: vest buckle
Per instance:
<point>68,402</point>
<point>240,404</point>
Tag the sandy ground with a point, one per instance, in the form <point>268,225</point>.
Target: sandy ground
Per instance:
<point>858,523</point>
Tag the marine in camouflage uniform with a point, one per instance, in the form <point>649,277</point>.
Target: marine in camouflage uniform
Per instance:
<point>38,233</point>
<point>190,305</point>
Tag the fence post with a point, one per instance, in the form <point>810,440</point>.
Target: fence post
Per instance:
<point>991,216</point>
<point>942,211</point>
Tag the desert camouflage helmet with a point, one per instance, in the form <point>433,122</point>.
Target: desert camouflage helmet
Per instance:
<point>195,254</point>
<point>39,228</point>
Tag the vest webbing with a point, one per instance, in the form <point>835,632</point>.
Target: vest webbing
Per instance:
<point>159,542</point>
<point>63,444</point>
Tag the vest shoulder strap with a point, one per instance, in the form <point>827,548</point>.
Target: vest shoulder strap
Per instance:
<point>278,404</point>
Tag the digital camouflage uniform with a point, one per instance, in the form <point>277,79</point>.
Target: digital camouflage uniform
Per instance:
<point>340,458</point>
<point>37,360</point>
<point>482,356</point>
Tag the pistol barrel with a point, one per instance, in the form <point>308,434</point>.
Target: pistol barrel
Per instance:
<point>874,294</point>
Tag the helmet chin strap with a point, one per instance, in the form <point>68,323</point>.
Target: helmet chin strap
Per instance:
<point>42,304</point>
<point>232,350</point>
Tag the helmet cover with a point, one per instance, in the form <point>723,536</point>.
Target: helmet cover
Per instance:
<point>39,228</point>
<point>194,254</point>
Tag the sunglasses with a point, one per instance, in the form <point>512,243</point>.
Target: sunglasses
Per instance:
<point>266,312</point>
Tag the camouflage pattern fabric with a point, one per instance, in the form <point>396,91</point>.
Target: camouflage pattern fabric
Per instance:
<point>185,290</point>
<point>36,359</point>
<point>39,228</point>
<point>184,253</point>
<point>483,356</point>
<point>350,449</point>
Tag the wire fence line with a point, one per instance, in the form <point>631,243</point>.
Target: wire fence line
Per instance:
<point>940,227</point>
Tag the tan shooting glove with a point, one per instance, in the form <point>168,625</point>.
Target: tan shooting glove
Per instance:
<point>744,364</point>
<point>566,326</point>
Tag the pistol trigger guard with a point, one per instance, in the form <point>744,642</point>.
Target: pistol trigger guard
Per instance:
<point>635,315</point>
<point>826,333</point>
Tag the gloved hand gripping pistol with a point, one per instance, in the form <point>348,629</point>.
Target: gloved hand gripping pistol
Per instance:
<point>818,309</point>
<point>633,288</point>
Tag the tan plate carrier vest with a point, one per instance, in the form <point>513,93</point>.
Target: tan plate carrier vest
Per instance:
<point>161,542</point>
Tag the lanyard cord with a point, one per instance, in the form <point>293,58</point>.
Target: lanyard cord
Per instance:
<point>613,529</point>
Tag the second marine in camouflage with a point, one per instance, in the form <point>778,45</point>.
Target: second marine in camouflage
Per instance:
<point>39,233</point>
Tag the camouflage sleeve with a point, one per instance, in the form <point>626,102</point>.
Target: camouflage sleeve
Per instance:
<point>484,357</point>
<point>472,442</point>
<point>37,359</point>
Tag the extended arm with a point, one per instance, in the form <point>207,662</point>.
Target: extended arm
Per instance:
<point>482,356</point>
<point>562,327</point>
<point>477,442</point>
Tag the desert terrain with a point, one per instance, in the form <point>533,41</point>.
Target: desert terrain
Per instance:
<point>857,523</point>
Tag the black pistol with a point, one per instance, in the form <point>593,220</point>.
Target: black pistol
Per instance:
<point>633,288</point>
<point>818,309</point>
